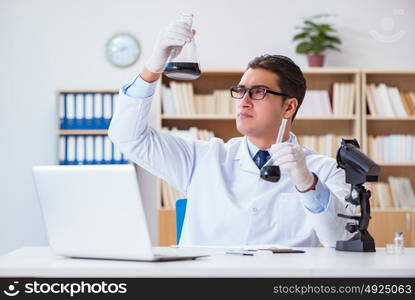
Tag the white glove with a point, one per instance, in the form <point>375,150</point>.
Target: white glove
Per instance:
<point>291,156</point>
<point>172,37</point>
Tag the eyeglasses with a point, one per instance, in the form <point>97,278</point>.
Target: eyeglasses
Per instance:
<point>255,92</point>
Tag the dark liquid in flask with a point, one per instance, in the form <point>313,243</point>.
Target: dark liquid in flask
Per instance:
<point>182,70</point>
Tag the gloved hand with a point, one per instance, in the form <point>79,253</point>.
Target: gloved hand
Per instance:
<point>172,37</point>
<point>291,156</point>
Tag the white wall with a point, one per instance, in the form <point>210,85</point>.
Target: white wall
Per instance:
<point>47,45</point>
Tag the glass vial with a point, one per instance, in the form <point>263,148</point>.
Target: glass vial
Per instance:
<point>183,65</point>
<point>398,241</point>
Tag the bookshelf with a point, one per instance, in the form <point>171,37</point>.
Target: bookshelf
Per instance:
<point>359,124</point>
<point>84,116</point>
<point>386,222</point>
<point>224,125</point>
<point>82,132</point>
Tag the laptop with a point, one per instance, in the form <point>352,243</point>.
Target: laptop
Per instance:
<point>96,211</point>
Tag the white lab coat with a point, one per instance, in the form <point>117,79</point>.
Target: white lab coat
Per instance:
<point>228,203</point>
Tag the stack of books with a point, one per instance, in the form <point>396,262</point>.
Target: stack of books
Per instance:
<point>343,98</point>
<point>392,148</point>
<point>88,150</point>
<point>389,101</point>
<point>179,99</point>
<point>318,103</point>
<point>396,193</point>
<point>83,110</point>
<point>315,103</point>
<point>323,144</point>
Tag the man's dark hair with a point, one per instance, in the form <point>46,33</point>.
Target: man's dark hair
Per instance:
<point>290,77</point>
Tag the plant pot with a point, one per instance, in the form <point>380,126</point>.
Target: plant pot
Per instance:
<point>315,60</point>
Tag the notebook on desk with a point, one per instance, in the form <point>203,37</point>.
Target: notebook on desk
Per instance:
<point>96,211</point>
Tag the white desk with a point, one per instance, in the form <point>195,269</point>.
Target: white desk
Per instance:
<point>316,262</point>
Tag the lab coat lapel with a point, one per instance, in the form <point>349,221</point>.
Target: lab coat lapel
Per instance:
<point>244,158</point>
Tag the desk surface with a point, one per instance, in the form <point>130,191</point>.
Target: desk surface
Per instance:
<point>316,262</point>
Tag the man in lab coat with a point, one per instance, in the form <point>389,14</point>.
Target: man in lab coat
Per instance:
<point>228,203</point>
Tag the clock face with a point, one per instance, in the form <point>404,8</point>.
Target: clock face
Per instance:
<point>123,50</point>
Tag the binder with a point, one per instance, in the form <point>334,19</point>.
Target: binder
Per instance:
<point>99,149</point>
<point>89,149</point>
<point>98,112</point>
<point>62,150</point>
<point>107,99</point>
<point>108,157</point>
<point>79,111</point>
<point>80,150</point>
<point>62,111</point>
<point>123,160</point>
<point>89,110</point>
<point>117,155</point>
<point>71,149</point>
<point>114,102</point>
<point>70,111</point>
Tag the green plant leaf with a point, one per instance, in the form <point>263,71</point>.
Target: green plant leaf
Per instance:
<point>325,27</point>
<point>315,37</point>
<point>333,39</point>
<point>320,16</point>
<point>316,48</point>
<point>312,24</point>
<point>331,47</point>
<point>303,48</point>
<point>300,36</point>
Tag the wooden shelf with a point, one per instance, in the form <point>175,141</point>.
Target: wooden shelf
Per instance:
<point>389,71</point>
<point>397,164</point>
<point>373,118</point>
<point>231,117</point>
<point>327,118</point>
<point>114,91</point>
<point>381,125</point>
<point>318,70</point>
<point>384,224</point>
<point>198,117</point>
<point>83,132</point>
<point>359,125</point>
<point>314,70</point>
<point>393,209</point>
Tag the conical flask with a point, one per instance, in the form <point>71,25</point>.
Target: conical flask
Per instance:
<point>183,64</point>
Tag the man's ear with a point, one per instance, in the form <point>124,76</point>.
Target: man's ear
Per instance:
<point>290,107</point>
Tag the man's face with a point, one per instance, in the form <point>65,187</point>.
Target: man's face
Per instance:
<point>259,118</point>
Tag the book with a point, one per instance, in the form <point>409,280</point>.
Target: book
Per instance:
<point>177,98</point>
<point>370,100</point>
<point>384,148</point>
<point>352,100</point>
<point>396,101</point>
<point>402,192</point>
<point>315,103</point>
<point>383,102</point>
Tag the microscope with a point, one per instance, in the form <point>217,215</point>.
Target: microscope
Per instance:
<point>359,169</point>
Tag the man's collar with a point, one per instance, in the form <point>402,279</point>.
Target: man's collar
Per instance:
<point>246,159</point>
<point>253,149</point>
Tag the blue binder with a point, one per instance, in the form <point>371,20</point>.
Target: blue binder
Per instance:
<point>63,119</point>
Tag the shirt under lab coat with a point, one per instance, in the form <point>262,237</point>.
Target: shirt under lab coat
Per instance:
<point>227,201</point>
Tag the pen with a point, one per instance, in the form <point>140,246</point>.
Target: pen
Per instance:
<point>240,252</point>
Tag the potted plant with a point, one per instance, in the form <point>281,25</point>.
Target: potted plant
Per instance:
<point>314,38</point>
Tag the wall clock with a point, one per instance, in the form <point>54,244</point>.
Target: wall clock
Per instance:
<point>123,50</point>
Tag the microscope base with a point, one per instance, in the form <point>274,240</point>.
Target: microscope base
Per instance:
<point>360,242</point>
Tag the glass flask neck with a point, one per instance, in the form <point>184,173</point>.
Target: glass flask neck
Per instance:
<point>187,18</point>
